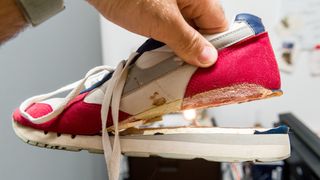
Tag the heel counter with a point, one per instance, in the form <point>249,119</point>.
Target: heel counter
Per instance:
<point>251,61</point>
<point>273,80</point>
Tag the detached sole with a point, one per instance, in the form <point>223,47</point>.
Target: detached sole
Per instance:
<point>213,144</point>
<point>235,94</point>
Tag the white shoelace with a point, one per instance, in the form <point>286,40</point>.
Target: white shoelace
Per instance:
<point>112,97</point>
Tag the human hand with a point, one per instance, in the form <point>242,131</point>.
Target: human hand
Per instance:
<point>178,23</point>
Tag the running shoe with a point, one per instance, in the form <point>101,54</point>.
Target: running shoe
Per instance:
<point>151,83</point>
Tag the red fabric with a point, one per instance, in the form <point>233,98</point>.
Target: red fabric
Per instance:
<point>249,61</point>
<point>39,109</point>
<point>78,118</point>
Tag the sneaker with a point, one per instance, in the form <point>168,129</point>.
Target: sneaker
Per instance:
<point>151,83</point>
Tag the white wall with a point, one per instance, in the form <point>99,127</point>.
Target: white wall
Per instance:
<point>301,91</point>
<point>39,60</point>
<point>117,43</point>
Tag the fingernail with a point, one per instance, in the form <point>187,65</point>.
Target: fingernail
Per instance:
<point>208,56</point>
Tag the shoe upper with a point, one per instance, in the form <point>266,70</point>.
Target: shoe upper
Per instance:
<point>157,76</point>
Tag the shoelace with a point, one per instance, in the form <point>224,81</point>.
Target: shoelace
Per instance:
<point>112,96</point>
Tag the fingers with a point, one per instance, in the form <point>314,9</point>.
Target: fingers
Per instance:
<point>171,22</point>
<point>188,43</point>
<point>207,15</point>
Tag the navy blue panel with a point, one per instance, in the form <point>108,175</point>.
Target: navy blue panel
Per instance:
<point>278,130</point>
<point>99,83</point>
<point>149,45</point>
<point>254,22</point>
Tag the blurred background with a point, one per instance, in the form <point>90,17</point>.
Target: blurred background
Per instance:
<point>56,53</point>
<point>63,49</point>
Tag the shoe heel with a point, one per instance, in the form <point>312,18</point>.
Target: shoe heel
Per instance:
<point>243,72</point>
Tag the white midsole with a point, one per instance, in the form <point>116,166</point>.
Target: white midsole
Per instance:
<point>213,152</point>
<point>211,146</point>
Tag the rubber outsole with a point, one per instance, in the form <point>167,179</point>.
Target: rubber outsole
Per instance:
<point>212,145</point>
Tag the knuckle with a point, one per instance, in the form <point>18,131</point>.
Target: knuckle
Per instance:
<point>189,45</point>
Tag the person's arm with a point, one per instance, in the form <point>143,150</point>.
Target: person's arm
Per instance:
<point>12,20</point>
<point>177,23</point>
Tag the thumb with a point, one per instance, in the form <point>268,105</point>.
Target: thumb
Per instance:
<point>189,44</point>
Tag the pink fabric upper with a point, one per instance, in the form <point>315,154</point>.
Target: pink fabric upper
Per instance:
<point>78,118</point>
<point>250,61</point>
